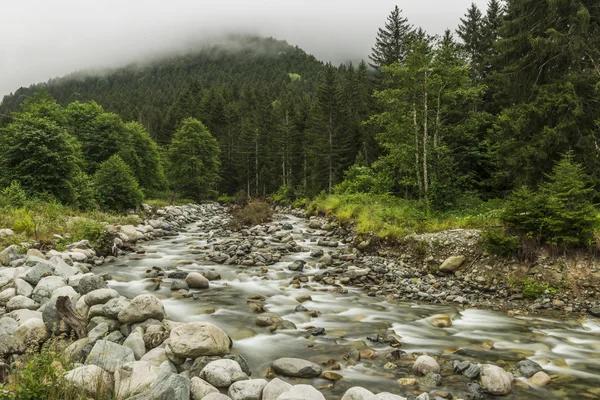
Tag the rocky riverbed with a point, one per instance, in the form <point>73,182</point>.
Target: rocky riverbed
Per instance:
<point>287,310</point>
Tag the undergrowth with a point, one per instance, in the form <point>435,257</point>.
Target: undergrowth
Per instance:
<point>392,218</point>
<point>255,213</point>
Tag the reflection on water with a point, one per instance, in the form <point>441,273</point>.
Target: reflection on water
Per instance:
<point>568,350</point>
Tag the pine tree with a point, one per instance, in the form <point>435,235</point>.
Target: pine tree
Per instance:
<point>117,188</point>
<point>391,41</point>
<point>470,32</point>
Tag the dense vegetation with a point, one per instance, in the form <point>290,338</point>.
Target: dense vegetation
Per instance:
<point>437,129</point>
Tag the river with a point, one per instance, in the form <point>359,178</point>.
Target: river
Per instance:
<point>568,349</point>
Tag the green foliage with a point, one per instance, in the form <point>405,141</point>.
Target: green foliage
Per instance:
<point>499,243</point>
<point>194,161</point>
<point>41,156</point>
<point>41,376</point>
<point>146,159</point>
<point>116,186</point>
<point>13,195</point>
<point>362,179</point>
<point>255,213</point>
<point>560,212</point>
<point>533,289</point>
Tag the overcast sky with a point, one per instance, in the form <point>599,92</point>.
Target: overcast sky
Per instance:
<point>42,39</point>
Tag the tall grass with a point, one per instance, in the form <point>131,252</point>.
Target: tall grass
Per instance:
<point>392,218</point>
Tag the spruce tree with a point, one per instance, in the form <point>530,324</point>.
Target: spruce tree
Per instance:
<point>470,32</point>
<point>391,41</point>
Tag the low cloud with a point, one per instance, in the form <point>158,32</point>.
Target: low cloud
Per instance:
<point>44,39</point>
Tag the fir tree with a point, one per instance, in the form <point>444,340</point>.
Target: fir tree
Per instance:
<point>391,41</point>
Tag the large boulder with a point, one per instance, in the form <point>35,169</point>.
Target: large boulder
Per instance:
<point>134,378</point>
<point>296,367</point>
<point>132,233</point>
<point>425,365</point>
<point>109,356</point>
<point>247,390</point>
<point>32,332</point>
<point>23,288</point>
<point>168,386</point>
<point>274,389</point>
<point>52,320</point>
<point>37,272</point>
<point>45,287</point>
<point>358,393</point>
<point>528,368</point>
<point>452,263</point>
<point>495,380</point>
<point>301,392</point>
<point>10,344</point>
<point>222,373</point>
<point>8,325</point>
<point>100,296</point>
<point>90,379</point>
<point>141,308</point>
<point>196,339</point>
<point>90,282</point>
<point>113,307</point>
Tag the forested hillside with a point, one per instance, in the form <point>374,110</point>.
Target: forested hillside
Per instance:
<point>441,121</point>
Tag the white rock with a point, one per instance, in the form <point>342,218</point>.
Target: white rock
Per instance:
<point>32,332</point>
<point>358,393</point>
<point>197,339</point>
<point>222,373</point>
<point>199,388</point>
<point>301,392</point>
<point>134,378</point>
<point>274,389</point>
<point>141,308</point>
<point>90,379</point>
<point>135,342</point>
<point>426,364</point>
<point>247,390</point>
<point>495,380</point>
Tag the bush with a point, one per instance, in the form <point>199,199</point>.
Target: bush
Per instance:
<point>533,289</point>
<point>499,243</point>
<point>255,213</point>
<point>116,186</point>
<point>13,195</point>
<point>560,213</point>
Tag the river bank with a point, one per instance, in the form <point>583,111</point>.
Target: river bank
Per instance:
<point>286,289</point>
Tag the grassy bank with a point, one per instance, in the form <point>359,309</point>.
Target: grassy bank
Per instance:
<point>392,218</point>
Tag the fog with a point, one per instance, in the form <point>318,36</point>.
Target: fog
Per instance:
<point>43,39</point>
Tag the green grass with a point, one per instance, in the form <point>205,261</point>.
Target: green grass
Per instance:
<point>392,218</point>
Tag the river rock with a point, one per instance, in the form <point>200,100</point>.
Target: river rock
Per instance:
<point>425,364</point>
<point>274,389</point>
<point>247,390</point>
<point>37,272</point>
<point>358,393</point>
<point>216,396</point>
<point>98,333</point>
<point>100,296</point>
<point>90,379</point>
<point>495,380</point>
<point>8,325</point>
<point>296,367</point>
<point>540,379</point>
<point>109,356</point>
<point>135,342</point>
<point>301,392</point>
<point>156,356</point>
<point>78,351</point>
<point>21,302</point>
<point>528,368</point>
<point>6,295</point>
<point>90,282</point>
<point>199,388</point>
<point>196,339</point>
<point>297,265</point>
<point>66,291</point>
<point>222,373</point>
<point>134,378</point>
<point>113,307</point>
<point>141,308</point>
<point>452,263</point>
<point>196,280</point>
<point>440,321</point>
<point>46,286</point>
<point>32,332</point>
<point>10,344</point>
<point>168,386</point>
<point>52,320</point>
<point>23,288</point>
<point>131,232</point>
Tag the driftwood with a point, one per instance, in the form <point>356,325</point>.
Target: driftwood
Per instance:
<point>67,313</point>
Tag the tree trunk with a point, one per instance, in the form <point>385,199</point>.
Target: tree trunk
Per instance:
<point>330,185</point>
<point>67,313</point>
<point>256,189</point>
<point>425,139</point>
<point>417,167</point>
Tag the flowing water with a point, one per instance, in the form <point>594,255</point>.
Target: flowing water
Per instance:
<point>568,350</point>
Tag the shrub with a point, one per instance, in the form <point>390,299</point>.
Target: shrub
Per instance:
<point>14,195</point>
<point>533,289</point>
<point>560,213</point>
<point>257,212</point>
<point>499,243</point>
<point>116,185</point>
